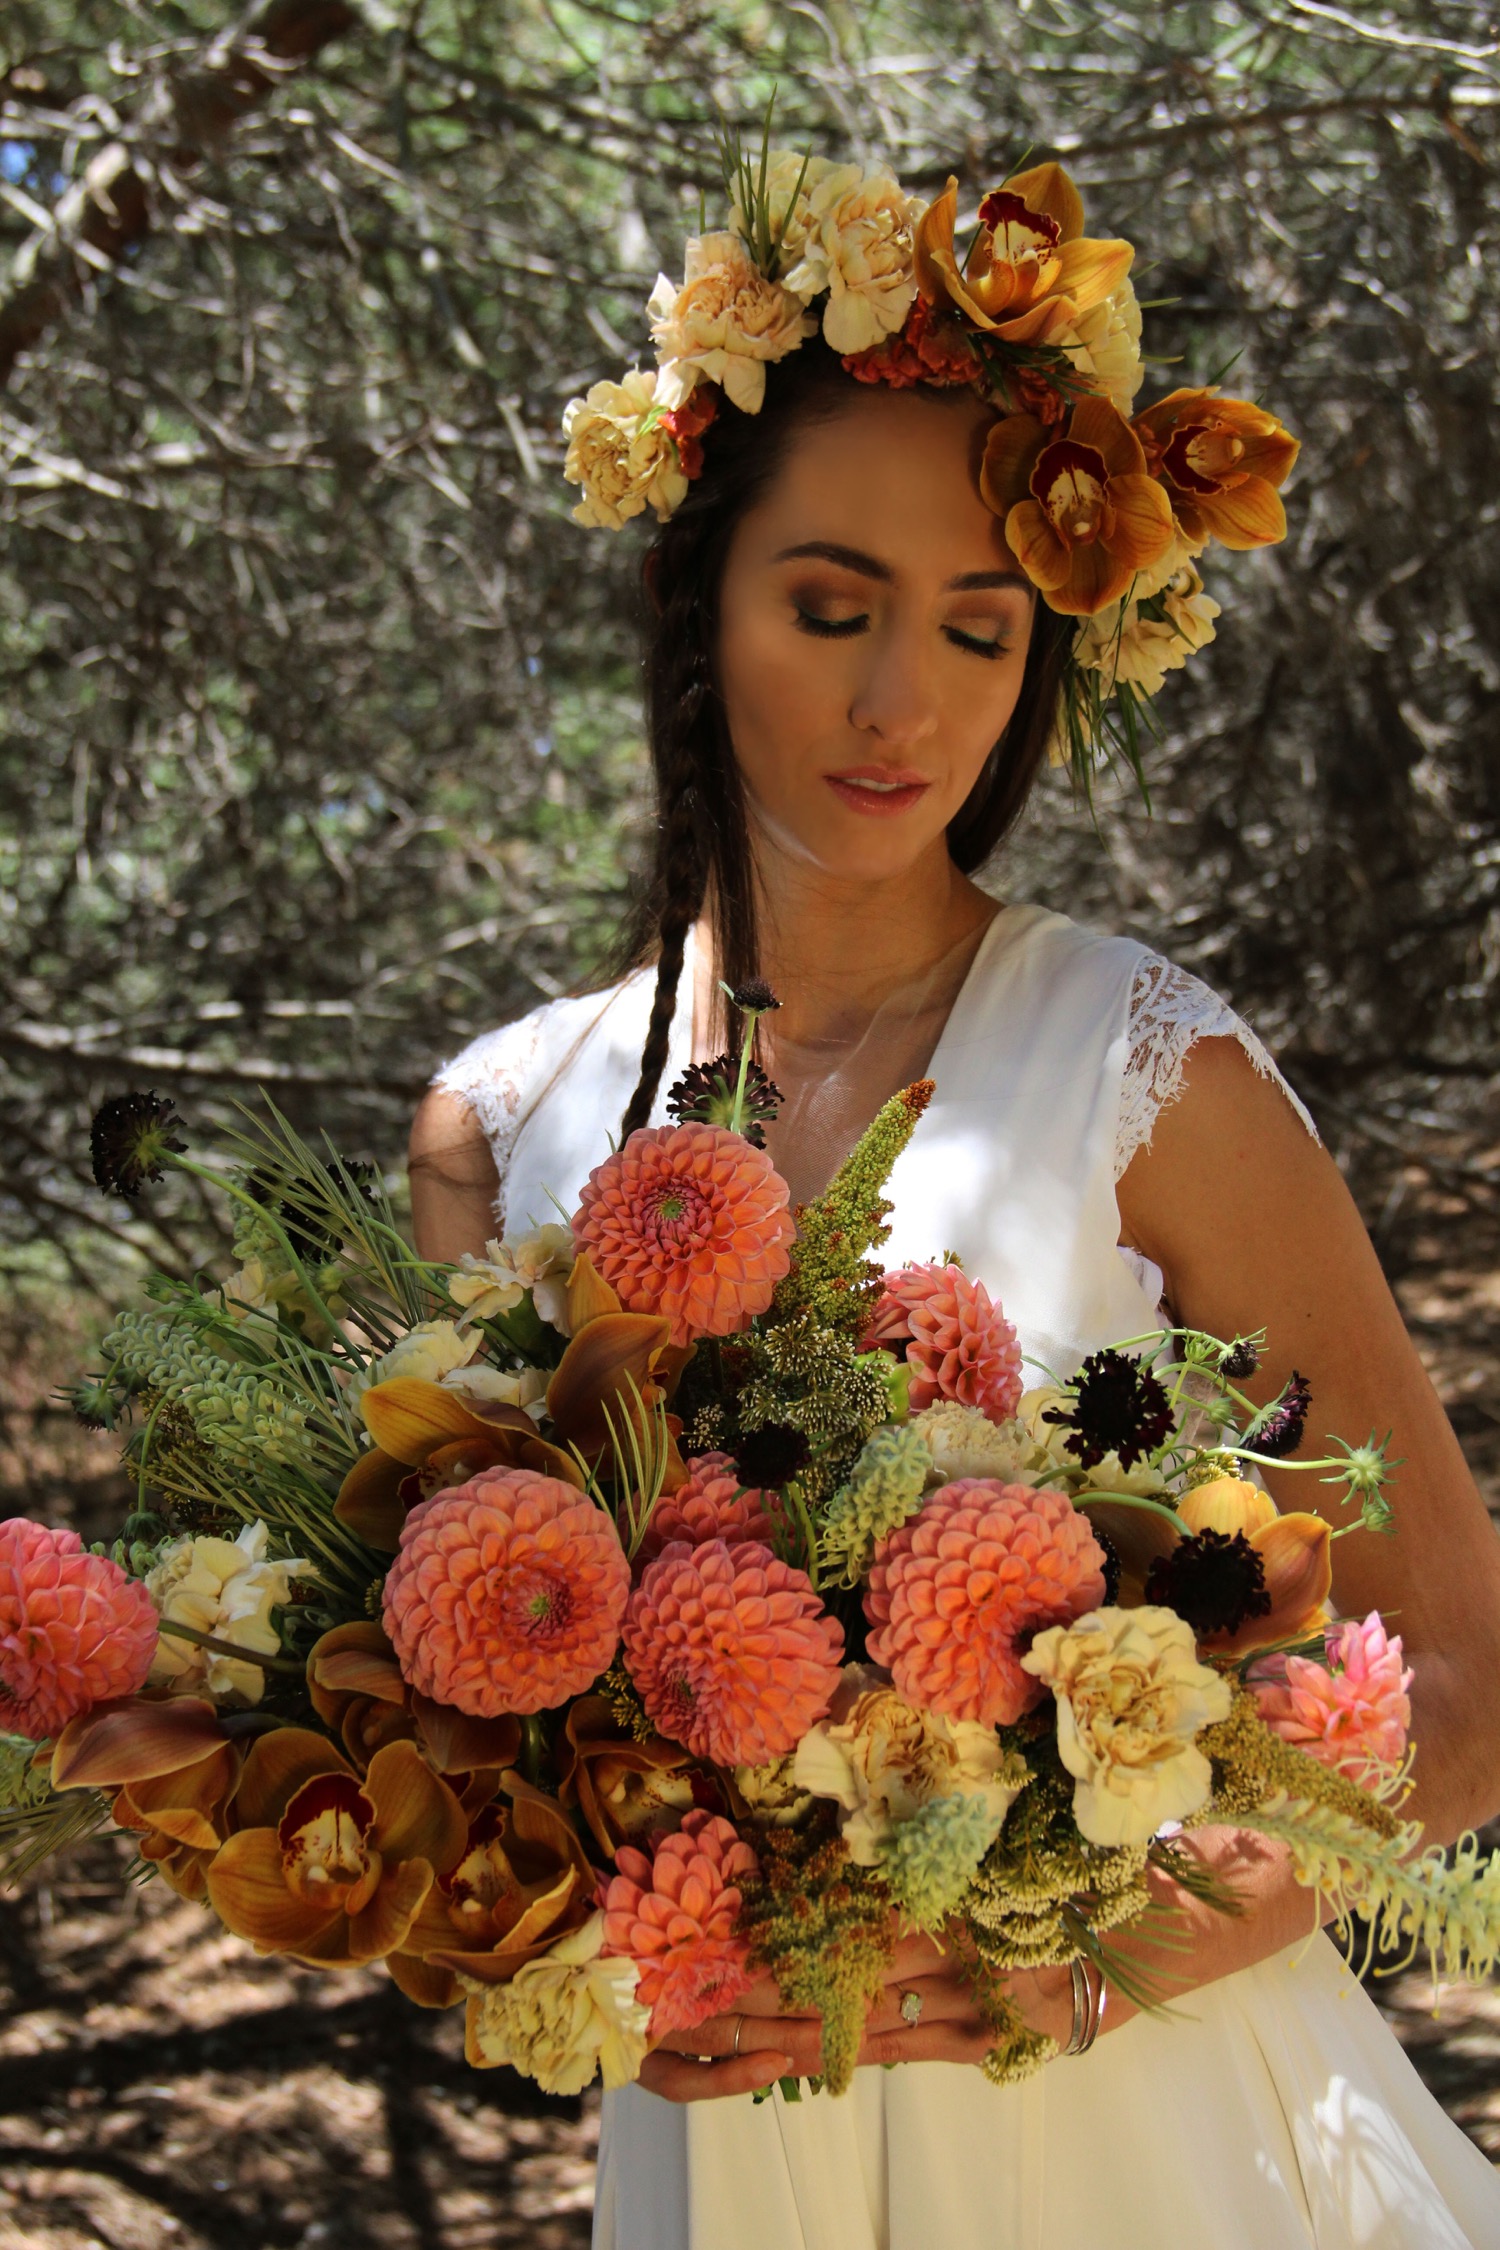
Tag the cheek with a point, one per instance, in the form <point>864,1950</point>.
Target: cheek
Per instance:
<point>781,707</point>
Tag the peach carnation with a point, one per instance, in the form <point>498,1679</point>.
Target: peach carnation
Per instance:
<point>732,1652</point>
<point>74,1629</point>
<point>676,1916</point>
<point>713,1504</point>
<point>957,1593</point>
<point>959,1344</point>
<point>507,1594</point>
<point>691,1222</point>
<point>1350,1713</point>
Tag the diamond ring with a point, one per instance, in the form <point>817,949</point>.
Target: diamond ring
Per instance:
<point>911,2008</point>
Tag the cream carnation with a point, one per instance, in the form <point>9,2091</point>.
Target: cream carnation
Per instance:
<point>496,1283</point>
<point>564,2017</point>
<point>620,453</point>
<point>965,1443</point>
<point>427,1352</point>
<point>723,324</point>
<point>882,1761</point>
<point>494,1386</point>
<point>228,1589</point>
<point>857,244</point>
<point>1124,644</point>
<point>1131,1701</point>
<point>1105,343</point>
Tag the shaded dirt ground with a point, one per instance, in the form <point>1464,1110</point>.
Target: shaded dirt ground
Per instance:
<point>159,2085</point>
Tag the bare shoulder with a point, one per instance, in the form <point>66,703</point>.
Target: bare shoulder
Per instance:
<point>454,1182</point>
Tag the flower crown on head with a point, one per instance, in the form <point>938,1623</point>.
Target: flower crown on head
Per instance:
<point>1106,510</point>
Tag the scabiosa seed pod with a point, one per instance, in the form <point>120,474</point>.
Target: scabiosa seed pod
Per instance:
<point>754,997</point>
<point>128,1140</point>
<point>1278,1429</point>
<point>1240,1360</point>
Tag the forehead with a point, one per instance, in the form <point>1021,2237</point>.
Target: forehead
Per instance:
<point>893,472</point>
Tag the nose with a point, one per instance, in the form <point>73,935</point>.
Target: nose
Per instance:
<point>896,699</point>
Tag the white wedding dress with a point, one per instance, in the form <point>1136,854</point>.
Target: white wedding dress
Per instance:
<point>1281,2113</point>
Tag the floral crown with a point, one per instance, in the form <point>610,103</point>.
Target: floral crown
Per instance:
<point>1107,510</point>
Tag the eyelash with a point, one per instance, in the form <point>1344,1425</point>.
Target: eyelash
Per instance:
<point>845,628</point>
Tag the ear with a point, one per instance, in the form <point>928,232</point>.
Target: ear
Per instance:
<point>650,579</point>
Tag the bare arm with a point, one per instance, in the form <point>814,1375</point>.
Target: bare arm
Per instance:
<point>454,1183</point>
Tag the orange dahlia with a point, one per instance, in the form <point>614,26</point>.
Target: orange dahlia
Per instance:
<point>676,1915</point>
<point>959,1344</point>
<point>74,1629</point>
<point>958,1593</point>
<point>732,1652</point>
<point>713,1504</point>
<point>690,1222</point>
<point>507,1594</point>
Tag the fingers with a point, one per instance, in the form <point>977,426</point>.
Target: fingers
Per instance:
<point>750,2035</point>
<point>943,1999</point>
<point>955,2040</point>
<point>682,2078</point>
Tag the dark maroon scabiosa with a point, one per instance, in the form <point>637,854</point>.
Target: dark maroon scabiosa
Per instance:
<point>301,1204</point>
<point>1119,1407</point>
<point>1240,1360</point>
<point>769,1458</point>
<point>129,1140</point>
<point>754,997</point>
<point>705,1095</point>
<point>1216,1582</point>
<point>1278,1428</point>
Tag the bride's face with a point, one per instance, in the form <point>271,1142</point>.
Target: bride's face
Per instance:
<point>872,635</point>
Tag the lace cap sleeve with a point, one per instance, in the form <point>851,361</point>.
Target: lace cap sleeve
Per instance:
<point>1170,1011</point>
<point>492,1075</point>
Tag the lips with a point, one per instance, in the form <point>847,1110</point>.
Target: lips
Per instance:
<point>878,791</point>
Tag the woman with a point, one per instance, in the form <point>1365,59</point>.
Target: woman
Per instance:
<point>853,682</point>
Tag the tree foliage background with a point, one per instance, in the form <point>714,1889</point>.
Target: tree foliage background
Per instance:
<point>319,732</point>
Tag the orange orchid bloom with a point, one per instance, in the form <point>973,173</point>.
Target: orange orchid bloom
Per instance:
<point>356,1688</point>
<point>1221,460</point>
<point>615,1365</point>
<point>1294,1552</point>
<point>1031,269</point>
<point>328,1866</point>
<point>428,1439</point>
<point>522,1881</point>
<point>173,1770</point>
<point>625,1789</point>
<point>1081,514</point>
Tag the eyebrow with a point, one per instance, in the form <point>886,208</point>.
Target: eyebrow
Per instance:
<point>870,566</point>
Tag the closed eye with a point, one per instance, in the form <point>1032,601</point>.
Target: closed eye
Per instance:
<point>845,628</point>
<point>976,644</point>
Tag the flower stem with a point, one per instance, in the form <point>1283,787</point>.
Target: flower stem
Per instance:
<point>229,1648</point>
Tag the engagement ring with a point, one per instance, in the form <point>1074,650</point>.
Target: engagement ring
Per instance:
<point>911,2008</point>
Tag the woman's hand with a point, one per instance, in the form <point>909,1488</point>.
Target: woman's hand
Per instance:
<point>702,2064</point>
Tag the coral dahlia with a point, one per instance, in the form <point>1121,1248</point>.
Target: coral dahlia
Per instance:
<point>713,1504</point>
<point>691,1222</point>
<point>1350,1713</point>
<point>676,1915</point>
<point>959,1345</point>
<point>74,1629</point>
<point>507,1594</point>
<point>732,1652</point>
<point>955,1595</point>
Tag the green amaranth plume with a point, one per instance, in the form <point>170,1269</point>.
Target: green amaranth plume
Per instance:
<point>823,1928</point>
<point>832,1274</point>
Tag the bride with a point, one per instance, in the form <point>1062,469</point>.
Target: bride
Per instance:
<point>860,640</point>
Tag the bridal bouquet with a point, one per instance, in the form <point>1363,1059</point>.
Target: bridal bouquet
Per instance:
<point>676,1595</point>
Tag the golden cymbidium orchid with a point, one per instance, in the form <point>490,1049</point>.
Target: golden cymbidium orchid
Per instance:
<point>624,1788</point>
<point>1031,269</point>
<point>429,1439</point>
<point>1082,515</point>
<point>173,1771</point>
<point>521,1881</point>
<point>328,1865</point>
<point>354,1684</point>
<point>1221,461</point>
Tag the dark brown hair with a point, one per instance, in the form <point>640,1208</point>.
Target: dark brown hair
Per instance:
<point>702,846</point>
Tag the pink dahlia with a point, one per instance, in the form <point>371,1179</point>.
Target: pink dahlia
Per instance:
<point>957,1595</point>
<point>507,1594</point>
<point>74,1629</point>
<point>732,1652</point>
<point>713,1504</point>
<point>1350,1713</point>
<point>676,1915</point>
<point>689,1221</point>
<point>959,1344</point>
